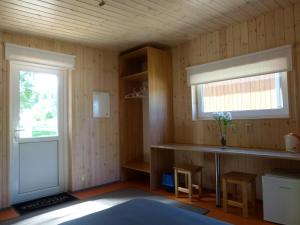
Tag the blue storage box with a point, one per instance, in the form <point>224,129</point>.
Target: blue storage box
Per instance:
<point>168,182</point>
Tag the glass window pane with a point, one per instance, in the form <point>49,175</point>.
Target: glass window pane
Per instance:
<point>243,94</point>
<point>38,104</point>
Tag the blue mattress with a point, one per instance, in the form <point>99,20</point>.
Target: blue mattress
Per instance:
<point>145,212</point>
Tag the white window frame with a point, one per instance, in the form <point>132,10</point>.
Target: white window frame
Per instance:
<point>198,114</point>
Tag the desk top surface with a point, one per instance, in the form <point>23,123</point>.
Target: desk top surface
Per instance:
<point>231,150</point>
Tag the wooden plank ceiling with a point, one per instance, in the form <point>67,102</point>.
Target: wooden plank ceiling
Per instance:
<point>121,24</point>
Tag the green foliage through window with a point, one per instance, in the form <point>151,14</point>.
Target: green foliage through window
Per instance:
<point>38,104</point>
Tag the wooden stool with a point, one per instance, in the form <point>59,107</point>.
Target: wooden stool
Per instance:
<point>242,179</point>
<point>188,171</point>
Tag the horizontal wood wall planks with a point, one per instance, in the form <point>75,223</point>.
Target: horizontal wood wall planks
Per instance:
<point>124,24</point>
<point>94,143</point>
<point>276,28</point>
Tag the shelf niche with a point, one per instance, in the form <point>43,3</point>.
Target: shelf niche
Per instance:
<point>134,63</point>
<point>141,76</point>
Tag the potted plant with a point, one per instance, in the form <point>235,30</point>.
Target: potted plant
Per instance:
<point>223,119</point>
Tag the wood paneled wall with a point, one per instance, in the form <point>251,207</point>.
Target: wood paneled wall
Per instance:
<point>274,29</point>
<point>94,145</point>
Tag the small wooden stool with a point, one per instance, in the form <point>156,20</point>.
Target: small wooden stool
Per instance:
<point>188,171</point>
<point>242,179</point>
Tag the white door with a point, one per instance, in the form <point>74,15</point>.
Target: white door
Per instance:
<point>36,131</point>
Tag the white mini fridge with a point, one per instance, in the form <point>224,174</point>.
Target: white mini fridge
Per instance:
<point>281,197</point>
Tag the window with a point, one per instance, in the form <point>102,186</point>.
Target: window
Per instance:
<point>263,96</point>
<point>250,86</point>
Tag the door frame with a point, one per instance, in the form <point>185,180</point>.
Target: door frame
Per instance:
<point>63,125</point>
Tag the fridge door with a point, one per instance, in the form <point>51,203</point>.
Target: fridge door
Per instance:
<point>281,200</point>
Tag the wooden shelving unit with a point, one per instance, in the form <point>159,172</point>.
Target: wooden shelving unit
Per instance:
<point>148,120</point>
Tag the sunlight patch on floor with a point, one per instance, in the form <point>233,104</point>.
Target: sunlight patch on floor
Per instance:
<point>66,214</point>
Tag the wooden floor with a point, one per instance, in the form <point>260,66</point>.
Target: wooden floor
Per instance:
<point>208,202</point>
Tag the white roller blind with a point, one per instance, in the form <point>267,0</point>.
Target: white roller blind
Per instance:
<point>259,63</point>
<point>33,55</point>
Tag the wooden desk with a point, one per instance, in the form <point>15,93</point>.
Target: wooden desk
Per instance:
<point>162,159</point>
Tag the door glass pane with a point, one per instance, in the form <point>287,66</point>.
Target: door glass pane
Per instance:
<point>38,104</point>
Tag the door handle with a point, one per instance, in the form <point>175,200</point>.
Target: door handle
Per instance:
<point>18,130</point>
<point>284,187</point>
<point>16,136</point>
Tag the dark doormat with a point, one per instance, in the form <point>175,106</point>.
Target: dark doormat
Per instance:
<point>41,203</point>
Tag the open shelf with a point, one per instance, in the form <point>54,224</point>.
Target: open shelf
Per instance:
<point>136,97</point>
<point>138,53</point>
<point>138,166</point>
<point>142,76</point>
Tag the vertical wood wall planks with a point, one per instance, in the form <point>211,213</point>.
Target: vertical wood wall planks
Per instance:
<point>276,28</point>
<point>93,143</point>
